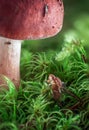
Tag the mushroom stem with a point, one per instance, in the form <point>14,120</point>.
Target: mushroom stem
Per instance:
<point>10,59</point>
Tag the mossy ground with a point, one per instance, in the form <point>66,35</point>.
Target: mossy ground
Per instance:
<point>33,107</point>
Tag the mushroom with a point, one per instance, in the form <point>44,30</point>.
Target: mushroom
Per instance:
<point>25,19</point>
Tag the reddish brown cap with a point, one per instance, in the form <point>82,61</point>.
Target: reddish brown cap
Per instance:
<point>30,19</point>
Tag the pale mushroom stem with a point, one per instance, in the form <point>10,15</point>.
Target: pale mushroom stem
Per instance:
<point>10,59</point>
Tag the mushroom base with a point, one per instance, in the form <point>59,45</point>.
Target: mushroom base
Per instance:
<point>10,60</point>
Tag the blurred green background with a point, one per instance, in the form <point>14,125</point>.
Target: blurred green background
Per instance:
<point>75,27</point>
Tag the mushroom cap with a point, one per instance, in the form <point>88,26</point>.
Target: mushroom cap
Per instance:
<point>30,19</point>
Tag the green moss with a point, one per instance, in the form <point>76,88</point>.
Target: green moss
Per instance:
<point>33,107</point>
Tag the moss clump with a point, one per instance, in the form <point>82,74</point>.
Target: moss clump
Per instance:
<point>33,106</point>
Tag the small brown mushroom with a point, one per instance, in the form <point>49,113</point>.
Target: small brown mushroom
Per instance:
<point>25,19</point>
<point>56,86</point>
